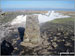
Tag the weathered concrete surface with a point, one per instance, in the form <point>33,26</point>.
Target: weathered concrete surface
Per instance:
<point>32,30</point>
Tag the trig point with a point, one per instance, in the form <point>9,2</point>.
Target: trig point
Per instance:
<point>32,31</point>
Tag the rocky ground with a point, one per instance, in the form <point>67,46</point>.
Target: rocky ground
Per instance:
<point>60,37</point>
<point>56,38</point>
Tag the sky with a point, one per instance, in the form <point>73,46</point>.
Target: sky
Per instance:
<point>58,4</point>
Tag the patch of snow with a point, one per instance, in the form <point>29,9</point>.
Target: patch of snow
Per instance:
<point>19,19</point>
<point>51,15</point>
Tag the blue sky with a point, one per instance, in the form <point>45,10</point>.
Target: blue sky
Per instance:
<point>68,4</point>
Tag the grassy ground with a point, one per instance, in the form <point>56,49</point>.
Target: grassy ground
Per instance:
<point>62,20</point>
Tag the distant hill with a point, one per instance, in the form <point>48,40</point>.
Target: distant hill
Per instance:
<point>70,13</point>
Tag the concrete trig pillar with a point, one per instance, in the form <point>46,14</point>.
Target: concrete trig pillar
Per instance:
<point>32,31</point>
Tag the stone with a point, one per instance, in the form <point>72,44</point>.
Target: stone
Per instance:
<point>38,48</point>
<point>27,44</point>
<point>51,40</point>
<point>58,34</point>
<point>50,48</point>
<point>46,43</point>
<point>43,51</point>
<point>54,44</point>
<point>67,44</point>
<point>55,38</point>
<point>14,41</point>
<point>26,40</point>
<point>32,31</point>
<point>16,48</point>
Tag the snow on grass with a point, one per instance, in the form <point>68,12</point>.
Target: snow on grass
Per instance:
<point>51,15</point>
